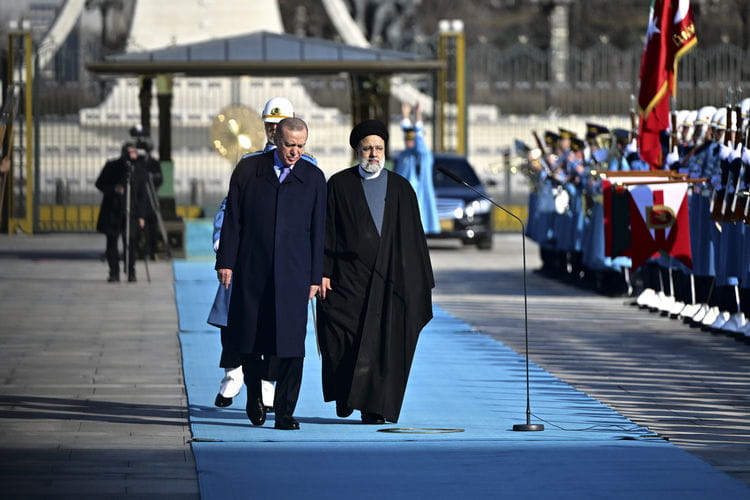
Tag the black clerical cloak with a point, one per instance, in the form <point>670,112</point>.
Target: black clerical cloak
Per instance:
<point>381,295</point>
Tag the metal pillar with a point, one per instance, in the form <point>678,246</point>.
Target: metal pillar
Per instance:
<point>451,113</point>
<point>20,188</point>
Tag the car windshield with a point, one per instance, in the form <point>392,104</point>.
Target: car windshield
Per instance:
<point>458,166</point>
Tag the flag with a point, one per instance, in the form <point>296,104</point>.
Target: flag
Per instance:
<point>670,34</point>
<point>616,208</point>
<point>659,221</point>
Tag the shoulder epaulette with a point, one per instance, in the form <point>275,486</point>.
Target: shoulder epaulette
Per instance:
<point>256,153</point>
<point>307,156</point>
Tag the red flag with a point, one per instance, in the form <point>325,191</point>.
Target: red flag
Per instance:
<point>670,34</point>
<point>659,221</point>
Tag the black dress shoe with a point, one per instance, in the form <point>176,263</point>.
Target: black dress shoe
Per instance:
<point>222,402</point>
<point>286,423</point>
<point>372,418</point>
<point>255,411</point>
<point>113,279</point>
<point>342,410</point>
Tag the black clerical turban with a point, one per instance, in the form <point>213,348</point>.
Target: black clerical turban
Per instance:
<point>367,127</point>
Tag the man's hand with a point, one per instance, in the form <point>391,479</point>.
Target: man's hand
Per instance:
<point>313,291</point>
<point>324,288</point>
<point>120,189</point>
<point>141,223</point>
<point>225,277</point>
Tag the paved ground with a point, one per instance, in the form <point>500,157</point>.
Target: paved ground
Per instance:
<point>683,383</point>
<point>92,398</point>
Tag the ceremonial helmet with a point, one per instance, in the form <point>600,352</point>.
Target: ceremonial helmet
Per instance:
<point>719,119</point>
<point>690,118</point>
<point>276,109</point>
<point>682,117</point>
<point>704,115</point>
<point>745,108</point>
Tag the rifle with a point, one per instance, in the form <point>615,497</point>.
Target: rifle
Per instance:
<point>673,117</point>
<point>719,197</point>
<point>734,214</point>
<point>540,145</point>
<point>633,119</point>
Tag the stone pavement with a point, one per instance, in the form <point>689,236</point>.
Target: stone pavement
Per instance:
<point>92,400</point>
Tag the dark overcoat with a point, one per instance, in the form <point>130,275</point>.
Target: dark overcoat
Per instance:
<point>381,296</point>
<point>272,240</point>
<point>111,219</point>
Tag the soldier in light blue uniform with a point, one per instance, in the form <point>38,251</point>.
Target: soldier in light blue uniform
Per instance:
<point>731,238</point>
<point>618,162</point>
<point>415,163</point>
<point>604,273</point>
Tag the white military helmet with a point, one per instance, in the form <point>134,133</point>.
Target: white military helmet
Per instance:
<point>682,116</point>
<point>277,108</point>
<point>745,108</point>
<point>704,115</point>
<point>719,119</point>
<point>690,118</point>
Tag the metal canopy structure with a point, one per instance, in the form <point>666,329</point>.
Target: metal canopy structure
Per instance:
<point>265,54</point>
<point>261,54</point>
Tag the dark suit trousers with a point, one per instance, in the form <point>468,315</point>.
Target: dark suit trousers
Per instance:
<point>113,253</point>
<point>288,375</point>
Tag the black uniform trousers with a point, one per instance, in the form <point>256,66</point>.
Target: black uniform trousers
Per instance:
<point>288,375</point>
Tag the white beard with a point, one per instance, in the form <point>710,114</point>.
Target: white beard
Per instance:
<point>370,167</point>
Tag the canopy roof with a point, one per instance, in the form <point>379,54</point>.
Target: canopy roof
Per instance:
<point>265,54</point>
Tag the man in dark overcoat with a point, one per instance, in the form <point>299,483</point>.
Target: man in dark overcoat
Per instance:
<point>271,250</point>
<point>119,176</point>
<point>377,278</point>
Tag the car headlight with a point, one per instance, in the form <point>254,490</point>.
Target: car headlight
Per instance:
<point>477,207</point>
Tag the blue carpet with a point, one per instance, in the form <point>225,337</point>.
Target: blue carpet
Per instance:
<point>454,438</point>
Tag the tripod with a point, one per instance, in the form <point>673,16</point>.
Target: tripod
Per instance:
<point>154,202</point>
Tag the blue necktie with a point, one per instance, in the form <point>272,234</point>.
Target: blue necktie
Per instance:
<point>284,172</point>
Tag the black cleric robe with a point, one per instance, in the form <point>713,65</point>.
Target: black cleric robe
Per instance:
<point>381,295</point>
<point>272,240</point>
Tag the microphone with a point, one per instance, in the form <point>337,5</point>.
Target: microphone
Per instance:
<point>528,426</point>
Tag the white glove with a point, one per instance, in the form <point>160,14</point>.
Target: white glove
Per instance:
<point>736,153</point>
<point>632,147</point>
<point>724,151</point>
<point>746,156</point>
<point>672,157</point>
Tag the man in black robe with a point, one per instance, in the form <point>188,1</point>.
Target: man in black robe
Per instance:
<point>376,294</point>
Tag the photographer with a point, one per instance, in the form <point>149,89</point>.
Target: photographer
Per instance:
<point>118,177</point>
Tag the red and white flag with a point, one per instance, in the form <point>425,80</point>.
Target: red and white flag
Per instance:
<point>659,221</point>
<point>670,34</point>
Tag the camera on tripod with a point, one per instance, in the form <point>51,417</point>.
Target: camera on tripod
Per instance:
<point>142,138</point>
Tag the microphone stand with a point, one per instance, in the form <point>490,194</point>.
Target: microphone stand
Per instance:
<point>528,426</point>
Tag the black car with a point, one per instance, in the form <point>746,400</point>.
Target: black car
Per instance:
<point>463,213</point>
